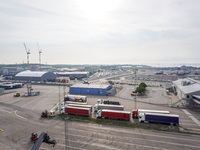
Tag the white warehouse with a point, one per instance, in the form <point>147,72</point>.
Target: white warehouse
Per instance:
<point>186,89</point>
<point>35,76</point>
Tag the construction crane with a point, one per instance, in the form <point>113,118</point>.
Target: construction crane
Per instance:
<point>28,53</point>
<point>40,52</point>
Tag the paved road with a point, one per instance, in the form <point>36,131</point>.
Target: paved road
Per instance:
<point>91,136</point>
<point>19,117</point>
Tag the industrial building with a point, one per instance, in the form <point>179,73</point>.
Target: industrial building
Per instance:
<point>187,90</point>
<point>73,75</point>
<point>90,89</point>
<point>35,76</point>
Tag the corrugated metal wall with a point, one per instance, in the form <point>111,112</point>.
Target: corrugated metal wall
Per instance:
<point>88,91</point>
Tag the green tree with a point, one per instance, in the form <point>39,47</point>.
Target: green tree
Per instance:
<point>143,84</point>
<point>140,89</point>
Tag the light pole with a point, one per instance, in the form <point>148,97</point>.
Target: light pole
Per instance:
<point>135,97</point>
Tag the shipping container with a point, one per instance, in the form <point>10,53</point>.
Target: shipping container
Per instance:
<point>83,106</point>
<point>159,118</point>
<point>114,114</point>
<point>105,106</point>
<point>78,111</point>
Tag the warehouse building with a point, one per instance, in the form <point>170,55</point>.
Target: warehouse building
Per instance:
<point>90,89</point>
<point>35,76</point>
<point>187,90</point>
<point>73,75</point>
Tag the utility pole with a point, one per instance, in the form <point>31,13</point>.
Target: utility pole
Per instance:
<point>59,100</point>
<point>135,98</point>
<point>66,130</point>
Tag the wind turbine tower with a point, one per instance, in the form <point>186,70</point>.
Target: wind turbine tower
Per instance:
<point>28,53</point>
<point>40,52</point>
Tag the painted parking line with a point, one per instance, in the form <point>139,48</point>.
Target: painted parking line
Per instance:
<point>191,116</point>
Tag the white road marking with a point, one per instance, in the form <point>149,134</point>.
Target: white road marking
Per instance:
<point>19,115</point>
<point>13,114</point>
<point>44,148</point>
<point>35,99</point>
<point>154,141</point>
<point>6,111</point>
<point>71,147</point>
<point>191,116</point>
<point>108,147</point>
<point>152,135</point>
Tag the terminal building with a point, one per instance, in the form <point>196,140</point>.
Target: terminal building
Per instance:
<point>91,89</point>
<point>188,91</point>
<point>35,76</point>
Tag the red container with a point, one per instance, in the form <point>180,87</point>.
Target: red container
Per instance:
<point>115,114</point>
<point>78,111</point>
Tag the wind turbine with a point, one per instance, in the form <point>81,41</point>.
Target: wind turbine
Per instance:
<point>40,52</point>
<point>28,53</point>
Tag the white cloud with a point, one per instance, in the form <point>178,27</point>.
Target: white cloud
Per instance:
<point>100,32</point>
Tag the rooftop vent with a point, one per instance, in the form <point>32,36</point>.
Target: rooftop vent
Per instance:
<point>185,83</point>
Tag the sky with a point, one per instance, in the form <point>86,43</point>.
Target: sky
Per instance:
<point>100,31</point>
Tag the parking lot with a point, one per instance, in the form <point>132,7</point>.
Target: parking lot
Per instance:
<point>20,116</point>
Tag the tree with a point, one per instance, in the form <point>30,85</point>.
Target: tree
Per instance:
<point>143,84</point>
<point>140,89</point>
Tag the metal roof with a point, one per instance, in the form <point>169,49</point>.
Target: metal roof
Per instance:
<point>29,73</point>
<point>93,86</point>
<point>191,87</point>
<point>69,73</point>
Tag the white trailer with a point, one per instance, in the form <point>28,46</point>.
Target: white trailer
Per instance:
<point>70,102</point>
<point>105,106</point>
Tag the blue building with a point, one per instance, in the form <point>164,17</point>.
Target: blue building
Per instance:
<point>90,89</point>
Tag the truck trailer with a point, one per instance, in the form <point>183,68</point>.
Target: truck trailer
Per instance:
<point>105,106</point>
<point>75,105</point>
<point>114,114</point>
<point>70,102</point>
<point>135,113</point>
<point>100,101</point>
<point>159,118</point>
<point>78,111</point>
<point>75,98</point>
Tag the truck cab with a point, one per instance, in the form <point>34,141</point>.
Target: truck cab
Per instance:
<point>98,114</point>
<point>99,101</point>
<point>134,113</point>
<point>52,114</point>
<point>141,117</point>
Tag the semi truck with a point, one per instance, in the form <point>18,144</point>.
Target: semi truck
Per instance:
<point>114,114</point>
<point>75,98</point>
<point>101,101</point>
<point>75,105</point>
<point>105,106</point>
<point>78,111</point>
<point>159,118</point>
<point>135,113</point>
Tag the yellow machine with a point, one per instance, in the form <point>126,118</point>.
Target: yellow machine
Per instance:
<point>17,94</point>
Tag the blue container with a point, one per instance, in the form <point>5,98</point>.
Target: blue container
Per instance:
<point>162,118</point>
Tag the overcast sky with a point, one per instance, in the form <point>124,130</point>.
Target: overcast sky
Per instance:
<point>100,31</point>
